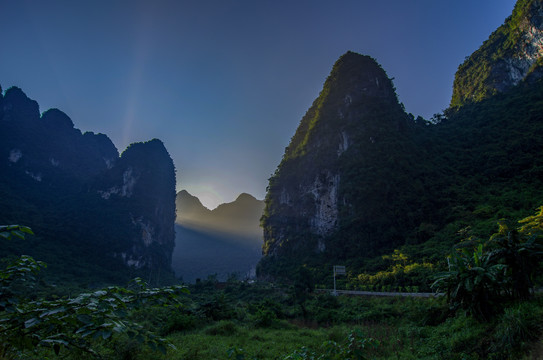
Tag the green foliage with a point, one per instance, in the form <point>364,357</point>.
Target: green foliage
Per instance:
<point>76,323</point>
<point>180,321</point>
<point>402,273</point>
<point>16,280</point>
<point>521,251</point>
<point>414,188</point>
<point>479,76</point>
<point>223,328</point>
<point>532,225</point>
<point>478,280</point>
<point>264,317</point>
<point>472,282</point>
<point>363,327</point>
<point>8,232</point>
<point>217,308</point>
<point>236,354</point>
<point>516,327</point>
<point>356,347</point>
<point>70,323</point>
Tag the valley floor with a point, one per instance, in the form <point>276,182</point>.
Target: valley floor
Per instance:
<point>241,323</point>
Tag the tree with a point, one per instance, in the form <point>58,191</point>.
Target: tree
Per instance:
<point>303,286</point>
<point>477,280</point>
<point>533,225</point>
<point>472,281</point>
<point>73,323</point>
<point>521,250</point>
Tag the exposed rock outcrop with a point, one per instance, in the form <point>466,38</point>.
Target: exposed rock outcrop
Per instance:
<point>120,210</point>
<point>49,144</point>
<point>143,180</point>
<point>326,181</point>
<point>513,53</point>
<point>361,177</point>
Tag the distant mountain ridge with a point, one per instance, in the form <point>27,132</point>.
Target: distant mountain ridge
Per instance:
<point>189,209</point>
<point>240,217</point>
<point>222,241</point>
<point>97,215</point>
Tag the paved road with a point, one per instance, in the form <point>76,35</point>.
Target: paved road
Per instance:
<point>380,293</point>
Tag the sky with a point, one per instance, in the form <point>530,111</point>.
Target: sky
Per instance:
<point>225,83</point>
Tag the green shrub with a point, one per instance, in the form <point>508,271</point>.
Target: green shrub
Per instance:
<point>356,347</point>
<point>236,353</point>
<point>336,334</point>
<point>127,348</point>
<point>328,301</point>
<point>517,326</point>
<point>264,318</point>
<point>326,316</point>
<point>72,325</point>
<point>434,314</point>
<point>218,308</point>
<point>180,322</point>
<point>222,328</point>
<point>465,335</point>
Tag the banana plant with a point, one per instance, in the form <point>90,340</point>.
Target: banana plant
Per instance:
<point>521,250</point>
<point>473,282</point>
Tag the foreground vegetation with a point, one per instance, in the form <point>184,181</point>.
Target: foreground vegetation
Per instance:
<point>231,323</point>
<point>490,311</point>
<point>327,327</point>
<point>260,321</point>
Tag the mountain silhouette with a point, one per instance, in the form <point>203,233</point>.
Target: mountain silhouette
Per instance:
<point>223,241</point>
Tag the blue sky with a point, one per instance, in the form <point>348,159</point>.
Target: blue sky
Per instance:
<point>225,83</point>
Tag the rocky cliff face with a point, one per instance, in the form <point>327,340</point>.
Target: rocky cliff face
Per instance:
<point>120,210</point>
<point>512,54</point>
<point>342,166</point>
<point>361,177</point>
<point>44,146</point>
<point>143,179</point>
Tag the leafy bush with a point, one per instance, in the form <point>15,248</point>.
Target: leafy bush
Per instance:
<point>357,346</point>
<point>517,326</point>
<point>223,327</point>
<point>218,308</point>
<point>478,280</point>
<point>76,323</point>
<point>126,348</point>
<point>433,315</point>
<point>472,282</point>
<point>179,321</point>
<point>264,318</point>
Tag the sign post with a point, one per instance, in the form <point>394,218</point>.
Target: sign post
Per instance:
<point>338,270</point>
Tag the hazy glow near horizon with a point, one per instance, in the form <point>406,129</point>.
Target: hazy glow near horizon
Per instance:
<point>208,196</point>
<point>224,84</point>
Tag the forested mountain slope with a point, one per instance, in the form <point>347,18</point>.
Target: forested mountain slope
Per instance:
<point>98,217</point>
<point>361,177</point>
